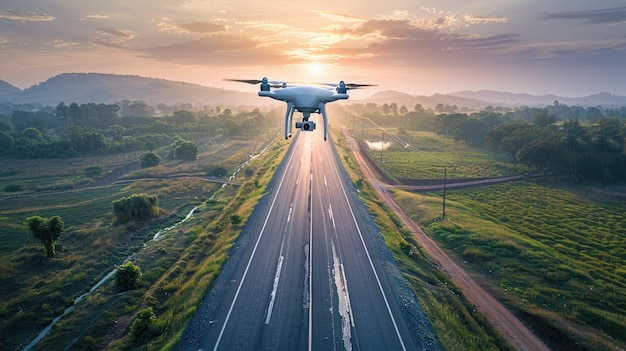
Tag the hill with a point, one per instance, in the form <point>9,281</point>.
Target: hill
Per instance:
<point>410,101</point>
<point>109,88</point>
<point>484,98</point>
<point>8,91</point>
<point>500,98</point>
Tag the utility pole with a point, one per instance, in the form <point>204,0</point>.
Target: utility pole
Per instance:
<point>382,146</point>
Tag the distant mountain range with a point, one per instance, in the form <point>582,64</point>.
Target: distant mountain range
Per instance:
<point>110,88</point>
<point>483,98</point>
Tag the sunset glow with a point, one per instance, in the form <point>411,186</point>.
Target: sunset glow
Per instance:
<point>571,47</point>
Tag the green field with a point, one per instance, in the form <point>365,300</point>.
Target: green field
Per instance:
<point>555,254</point>
<point>177,269</point>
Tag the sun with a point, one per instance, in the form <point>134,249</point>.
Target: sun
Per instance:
<point>315,68</point>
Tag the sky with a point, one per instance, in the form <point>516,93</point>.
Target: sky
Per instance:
<point>566,47</point>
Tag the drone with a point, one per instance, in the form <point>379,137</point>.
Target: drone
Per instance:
<point>306,99</point>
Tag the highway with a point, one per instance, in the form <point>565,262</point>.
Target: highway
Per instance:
<point>309,271</point>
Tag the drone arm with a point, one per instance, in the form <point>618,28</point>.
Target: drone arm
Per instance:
<point>289,119</point>
<point>322,107</point>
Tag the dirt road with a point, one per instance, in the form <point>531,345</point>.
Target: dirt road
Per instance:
<point>517,334</point>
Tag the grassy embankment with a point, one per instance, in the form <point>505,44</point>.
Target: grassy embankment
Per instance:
<point>457,324</point>
<point>177,270</point>
<point>552,252</point>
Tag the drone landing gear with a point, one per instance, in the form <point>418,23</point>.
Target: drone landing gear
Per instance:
<point>291,108</point>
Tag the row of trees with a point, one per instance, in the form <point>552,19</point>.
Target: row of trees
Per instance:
<point>593,151</point>
<point>589,153</point>
<point>587,143</point>
<point>87,129</point>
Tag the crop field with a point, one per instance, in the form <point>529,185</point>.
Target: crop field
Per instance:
<point>34,290</point>
<point>554,253</point>
<point>428,154</point>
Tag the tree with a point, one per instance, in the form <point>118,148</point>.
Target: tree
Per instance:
<point>386,109</point>
<point>46,230</point>
<point>543,119</point>
<point>127,275</point>
<point>33,134</point>
<point>541,153</point>
<point>394,108</point>
<point>181,117</point>
<point>403,110</point>
<point>149,159</point>
<point>184,150</point>
<point>143,327</point>
<point>6,143</point>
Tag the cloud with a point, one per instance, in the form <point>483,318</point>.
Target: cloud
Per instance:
<point>97,16</point>
<point>119,33</point>
<point>202,27</point>
<point>484,20</point>
<point>216,50</point>
<point>603,16</point>
<point>25,16</point>
<point>61,43</point>
<point>413,37</point>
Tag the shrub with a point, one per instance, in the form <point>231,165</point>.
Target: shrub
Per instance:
<point>137,207</point>
<point>143,325</point>
<point>12,188</point>
<point>127,276</point>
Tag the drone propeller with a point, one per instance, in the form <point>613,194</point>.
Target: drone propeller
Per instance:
<point>348,86</point>
<point>273,84</point>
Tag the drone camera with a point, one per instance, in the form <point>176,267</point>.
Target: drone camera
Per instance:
<point>306,126</point>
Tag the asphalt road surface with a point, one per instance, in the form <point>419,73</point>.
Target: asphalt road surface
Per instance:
<point>309,271</point>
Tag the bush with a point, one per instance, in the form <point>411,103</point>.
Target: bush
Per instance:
<point>93,171</point>
<point>137,207</point>
<point>12,188</point>
<point>127,276</point>
<point>143,327</point>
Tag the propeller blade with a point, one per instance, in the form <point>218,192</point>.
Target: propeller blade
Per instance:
<point>248,81</point>
<point>349,86</point>
<point>359,86</point>
<point>272,83</point>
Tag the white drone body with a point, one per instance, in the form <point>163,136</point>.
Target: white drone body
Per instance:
<point>305,99</point>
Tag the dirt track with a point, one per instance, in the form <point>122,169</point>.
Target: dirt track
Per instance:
<point>517,334</point>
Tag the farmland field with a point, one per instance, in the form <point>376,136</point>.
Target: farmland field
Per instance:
<point>34,290</point>
<point>554,253</point>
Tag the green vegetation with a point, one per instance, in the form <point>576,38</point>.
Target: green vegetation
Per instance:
<point>550,253</point>
<point>551,248</point>
<point>184,150</point>
<point>178,268</point>
<point>137,207</point>
<point>456,322</point>
<point>127,276</point>
<point>585,143</point>
<point>149,159</point>
<point>46,230</point>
